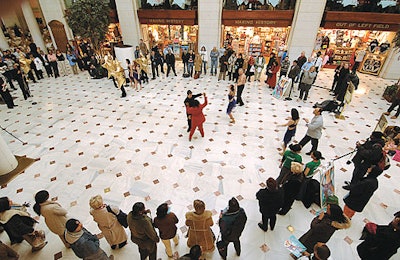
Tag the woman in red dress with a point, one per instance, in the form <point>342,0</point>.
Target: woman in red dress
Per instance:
<point>271,81</point>
<point>197,116</point>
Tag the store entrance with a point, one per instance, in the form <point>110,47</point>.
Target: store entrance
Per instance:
<point>175,37</point>
<point>365,51</point>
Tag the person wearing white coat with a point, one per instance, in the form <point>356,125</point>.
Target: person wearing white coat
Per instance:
<point>39,67</point>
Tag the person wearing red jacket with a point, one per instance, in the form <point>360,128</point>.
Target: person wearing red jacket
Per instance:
<point>196,110</point>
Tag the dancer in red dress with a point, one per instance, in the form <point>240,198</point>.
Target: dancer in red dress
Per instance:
<point>197,116</point>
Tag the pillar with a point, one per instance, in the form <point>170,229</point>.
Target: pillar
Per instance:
<point>3,41</point>
<point>33,25</point>
<point>129,21</point>
<point>306,22</point>
<point>7,159</point>
<point>391,68</point>
<point>209,19</point>
<point>10,19</point>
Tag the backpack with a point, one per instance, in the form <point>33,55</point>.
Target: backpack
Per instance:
<point>121,217</point>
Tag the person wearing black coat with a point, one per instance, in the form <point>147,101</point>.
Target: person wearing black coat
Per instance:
<point>270,200</point>
<point>238,64</point>
<point>369,153</point>
<point>384,243</point>
<point>170,59</point>
<point>294,71</point>
<point>185,61</point>
<point>336,77</point>
<point>342,83</point>
<point>154,66</point>
<point>231,223</point>
<point>361,192</point>
<point>290,189</point>
<point>160,59</point>
<point>5,94</point>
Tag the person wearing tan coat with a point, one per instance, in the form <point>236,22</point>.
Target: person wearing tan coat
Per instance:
<point>54,215</point>
<point>199,223</point>
<point>197,63</point>
<point>107,222</point>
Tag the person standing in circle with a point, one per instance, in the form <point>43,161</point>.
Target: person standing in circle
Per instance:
<point>232,103</point>
<point>291,124</point>
<point>198,117</point>
<point>240,86</point>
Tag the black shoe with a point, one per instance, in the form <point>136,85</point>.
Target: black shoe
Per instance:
<point>347,183</point>
<point>309,153</point>
<point>153,78</point>
<point>282,213</point>
<point>188,130</point>
<point>346,187</point>
<point>260,225</point>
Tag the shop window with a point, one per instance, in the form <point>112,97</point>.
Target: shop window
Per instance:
<point>168,4</point>
<point>259,4</point>
<point>374,6</point>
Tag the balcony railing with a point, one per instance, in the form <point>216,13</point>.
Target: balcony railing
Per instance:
<point>168,4</point>
<point>372,6</point>
<point>259,5</point>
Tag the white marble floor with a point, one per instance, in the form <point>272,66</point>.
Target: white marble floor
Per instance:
<point>90,141</point>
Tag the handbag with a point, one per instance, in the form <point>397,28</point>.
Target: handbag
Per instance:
<point>121,217</point>
<point>221,246</point>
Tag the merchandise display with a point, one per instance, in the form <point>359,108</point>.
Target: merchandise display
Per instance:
<point>255,40</point>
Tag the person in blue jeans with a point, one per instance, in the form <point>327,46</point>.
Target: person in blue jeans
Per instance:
<point>192,56</point>
<point>214,54</point>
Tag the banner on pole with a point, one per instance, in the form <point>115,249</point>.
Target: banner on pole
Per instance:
<point>327,182</point>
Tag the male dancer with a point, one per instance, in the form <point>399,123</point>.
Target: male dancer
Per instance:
<point>189,102</point>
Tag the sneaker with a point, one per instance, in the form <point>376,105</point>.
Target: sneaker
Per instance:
<point>393,117</point>
<point>386,113</point>
<point>347,187</point>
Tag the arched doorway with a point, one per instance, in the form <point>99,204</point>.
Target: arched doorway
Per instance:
<point>59,35</point>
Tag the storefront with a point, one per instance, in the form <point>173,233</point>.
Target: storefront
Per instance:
<point>262,32</point>
<point>366,42</point>
<point>178,33</point>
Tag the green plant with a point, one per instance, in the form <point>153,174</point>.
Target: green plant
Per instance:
<point>396,41</point>
<point>89,19</point>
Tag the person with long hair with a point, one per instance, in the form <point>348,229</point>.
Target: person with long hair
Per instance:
<point>324,226</point>
<point>271,72</point>
<point>291,124</point>
<point>166,223</point>
<point>197,116</point>
<point>232,103</point>
<point>199,222</point>
<point>204,60</point>
<point>55,216</point>
<point>105,217</point>
<point>231,223</point>
<point>143,233</point>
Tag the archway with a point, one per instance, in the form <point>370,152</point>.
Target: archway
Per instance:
<point>59,35</point>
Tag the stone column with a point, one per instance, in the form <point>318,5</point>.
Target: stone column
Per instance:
<point>306,22</point>
<point>3,41</point>
<point>391,67</point>
<point>7,159</point>
<point>210,20</point>
<point>129,21</point>
<point>33,25</point>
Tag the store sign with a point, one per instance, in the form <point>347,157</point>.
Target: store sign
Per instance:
<point>255,22</point>
<point>361,26</point>
<point>166,21</point>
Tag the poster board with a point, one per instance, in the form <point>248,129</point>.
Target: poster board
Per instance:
<point>294,246</point>
<point>327,182</point>
<point>382,124</point>
<point>282,88</point>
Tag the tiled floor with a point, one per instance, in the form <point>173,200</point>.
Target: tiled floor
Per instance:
<point>90,141</point>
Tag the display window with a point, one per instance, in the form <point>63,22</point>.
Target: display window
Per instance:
<point>251,41</point>
<point>175,37</point>
<point>364,49</point>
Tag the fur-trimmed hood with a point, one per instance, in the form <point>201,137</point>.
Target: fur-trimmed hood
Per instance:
<point>344,225</point>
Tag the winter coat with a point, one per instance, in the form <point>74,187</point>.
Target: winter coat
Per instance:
<point>271,81</point>
<point>203,55</point>
<point>360,194</point>
<point>197,63</point>
<point>142,232</point>
<point>108,223</point>
<point>308,77</point>
<point>223,66</point>
<point>86,246</point>
<point>55,216</point>
<point>166,226</point>
<point>269,201</point>
<point>383,245</point>
<point>370,153</point>
<point>200,232</point>
<point>170,59</point>
<point>16,223</point>
<point>321,231</point>
<point>294,71</point>
<point>231,63</point>
<point>234,224</point>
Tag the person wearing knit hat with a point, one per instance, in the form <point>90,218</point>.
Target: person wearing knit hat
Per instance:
<point>321,252</point>
<point>84,244</point>
<point>54,214</point>
<point>289,156</point>
<point>384,243</point>
<point>19,225</point>
<point>106,218</point>
<point>368,154</point>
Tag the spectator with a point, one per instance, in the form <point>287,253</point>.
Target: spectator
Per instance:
<point>166,223</point>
